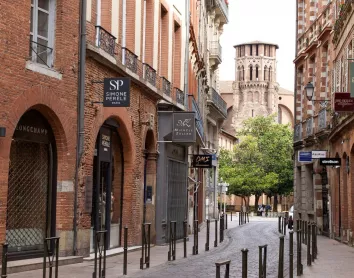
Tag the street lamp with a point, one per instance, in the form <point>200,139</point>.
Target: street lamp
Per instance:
<point>310,89</point>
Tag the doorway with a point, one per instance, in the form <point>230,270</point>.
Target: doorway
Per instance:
<point>31,187</point>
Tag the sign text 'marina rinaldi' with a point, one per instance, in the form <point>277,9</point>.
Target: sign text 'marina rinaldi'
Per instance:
<point>116,92</point>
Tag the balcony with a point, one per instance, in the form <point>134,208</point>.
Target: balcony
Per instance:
<point>309,127</point>
<point>179,96</point>
<point>221,8</point>
<point>131,60</point>
<point>322,119</point>
<point>215,53</point>
<point>218,103</point>
<point>297,133</point>
<point>166,87</point>
<point>150,74</point>
<point>105,40</point>
<point>344,13</point>
<point>198,116</point>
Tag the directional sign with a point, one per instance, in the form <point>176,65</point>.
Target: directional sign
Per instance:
<point>319,154</point>
<point>305,156</point>
<point>330,161</point>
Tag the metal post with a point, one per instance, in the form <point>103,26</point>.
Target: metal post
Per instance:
<point>172,242</point>
<point>125,248</point>
<point>226,222</point>
<point>299,249</point>
<point>316,250</point>
<point>284,225</point>
<point>281,257</point>
<point>308,244</point>
<point>227,270</point>
<point>216,233</point>
<point>148,256</point>
<point>207,236</point>
<point>185,236</point>
<point>244,262</point>
<point>195,247</point>
<point>279,224</point>
<point>313,242</point>
<point>239,218</point>
<point>291,254</point>
<point>221,228</point>
<point>4,261</point>
<point>45,259</point>
<point>248,218</point>
<point>262,261</point>
<point>56,257</point>
<point>231,216</point>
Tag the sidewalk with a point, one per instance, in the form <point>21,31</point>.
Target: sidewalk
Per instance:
<point>334,260</point>
<point>114,267</point>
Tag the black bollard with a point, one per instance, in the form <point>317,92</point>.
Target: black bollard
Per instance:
<point>207,236</point>
<point>313,241</point>
<point>222,222</point>
<point>316,250</point>
<point>125,249</point>
<point>226,222</point>
<point>216,233</point>
<point>308,244</point>
<point>172,244</point>
<point>248,218</point>
<point>299,249</point>
<point>239,218</point>
<point>291,254</point>
<point>281,258</point>
<point>53,260</point>
<point>231,216</point>
<point>262,261</point>
<point>100,254</point>
<point>227,269</point>
<point>244,262</point>
<point>195,246</point>
<point>285,226</point>
<point>4,261</point>
<point>279,224</point>
<point>185,237</point>
<point>145,246</point>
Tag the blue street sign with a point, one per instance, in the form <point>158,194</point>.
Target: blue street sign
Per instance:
<point>305,157</point>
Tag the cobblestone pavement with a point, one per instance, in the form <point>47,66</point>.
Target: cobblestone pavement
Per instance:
<point>249,236</point>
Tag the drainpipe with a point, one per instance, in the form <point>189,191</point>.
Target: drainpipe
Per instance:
<point>186,58</point>
<point>81,114</point>
<point>98,22</point>
<point>124,27</point>
<point>295,93</point>
<point>144,32</point>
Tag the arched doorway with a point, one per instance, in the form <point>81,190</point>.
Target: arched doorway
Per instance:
<point>31,187</point>
<point>108,180</point>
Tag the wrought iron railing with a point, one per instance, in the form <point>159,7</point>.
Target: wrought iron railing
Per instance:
<point>215,49</point>
<point>224,7</point>
<point>344,13</point>
<point>105,40</point>
<point>309,126</point>
<point>150,74</point>
<point>198,116</point>
<point>166,87</point>
<point>130,60</point>
<point>297,132</point>
<point>179,96</point>
<point>219,102</point>
<point>322,119</point>
<point>41,52</point>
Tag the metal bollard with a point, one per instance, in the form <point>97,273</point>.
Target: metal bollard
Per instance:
<point>244,262</point>
<point>248,218</point>
<point>185,237</point>
<point>145,246</point>
<point>4,261</point>
<point>316,250</point>
<point>207,236</point>
<point>226,222</point>
<point>52,259</point>
<point>172,244</point>
<point>227,270</point>
<point>100,250</point>
<point>239,218</point>
<point>216,233</point>
<point>195,231</point>
<point>262,261</point>
<point>281,257</point>
<point>222,222</point>
<point>231,216</point>
<point>125,249</point>
<point>308,244</point>
<point>313,241</point>
<point>291,254</point>
<point>299,249</point>
<point>279,224</point>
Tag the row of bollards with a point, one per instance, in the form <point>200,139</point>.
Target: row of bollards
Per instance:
<point>243,218</point>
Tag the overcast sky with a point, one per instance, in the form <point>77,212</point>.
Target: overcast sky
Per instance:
<point>265,20</point>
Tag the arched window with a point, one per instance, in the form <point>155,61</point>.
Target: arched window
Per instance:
<point>270,74</point>
<point>243,73</point>
<point>251,72</point>
<point>257,72</point>
<point>265,73</point>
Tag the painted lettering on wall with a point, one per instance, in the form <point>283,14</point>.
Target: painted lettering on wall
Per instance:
<point>32,129</point>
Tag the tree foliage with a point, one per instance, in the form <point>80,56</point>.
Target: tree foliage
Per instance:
<point>261,162</point>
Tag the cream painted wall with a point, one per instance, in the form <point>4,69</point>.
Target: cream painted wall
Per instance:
<point>138,31</point>
<point>115,18</point>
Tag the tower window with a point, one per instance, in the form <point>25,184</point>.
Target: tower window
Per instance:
<point>251,71</point>
<point>257,73</point>
<point>257,50</point>
<point>251,49</point>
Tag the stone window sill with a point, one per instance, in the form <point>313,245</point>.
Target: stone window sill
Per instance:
<point>43,70</point>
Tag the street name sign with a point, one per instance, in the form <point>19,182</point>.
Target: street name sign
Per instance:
<point>330,161</point>
<point>319,154</point>
<point>305,156</point>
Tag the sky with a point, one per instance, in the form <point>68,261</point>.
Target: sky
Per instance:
<point>264,20</point>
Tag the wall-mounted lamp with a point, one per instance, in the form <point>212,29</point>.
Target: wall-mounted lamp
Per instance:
<point>2,131</point>
<point>343,140</point>
<point>309,94</point>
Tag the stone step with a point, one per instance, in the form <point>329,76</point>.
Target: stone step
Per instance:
<point>37,263</point>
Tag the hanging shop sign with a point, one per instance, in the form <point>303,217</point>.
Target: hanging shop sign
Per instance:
<point>183,127</point>
<point>105,144</point>
<point>330,161</point>
<point>343,102</point>
<point>319,154</point>
<point>305,156</point>
<point>116,92</point>
<point>202,161</point>
<point>351,79</point>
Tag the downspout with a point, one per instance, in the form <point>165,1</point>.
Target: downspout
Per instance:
<point>81,116</point>
<point>295,87</point>
<point>144,33</point>
<point>186,58</point>
<point>124,27</point>
<point>98,22</point>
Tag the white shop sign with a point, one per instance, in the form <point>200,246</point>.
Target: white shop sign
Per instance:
<point>319,154</point>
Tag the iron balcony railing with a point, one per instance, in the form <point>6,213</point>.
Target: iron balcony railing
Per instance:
<point>322,119</point>
<point>224,7</point>
<point>166,87</point>
<point>131,60</point>
<point>105,40</point>
<point>150,74</point>
<point>215,49</point>
<point>199,118</point>
<point>309,126</point>
<point>179,96</point>
<point>219,102</point>
<point>297,132</point>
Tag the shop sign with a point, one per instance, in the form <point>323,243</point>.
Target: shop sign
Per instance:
<point>330,161</point>
<point>116,92</point>
<point>305,156</point>
<point>183,127</point>
<point>202,161</point>
<point>343,102</point>
<point>105,144</point>
<point>319,154</point>
<point>351,79</point>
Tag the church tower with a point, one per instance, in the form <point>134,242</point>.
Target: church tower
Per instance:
<point>255,90</point>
